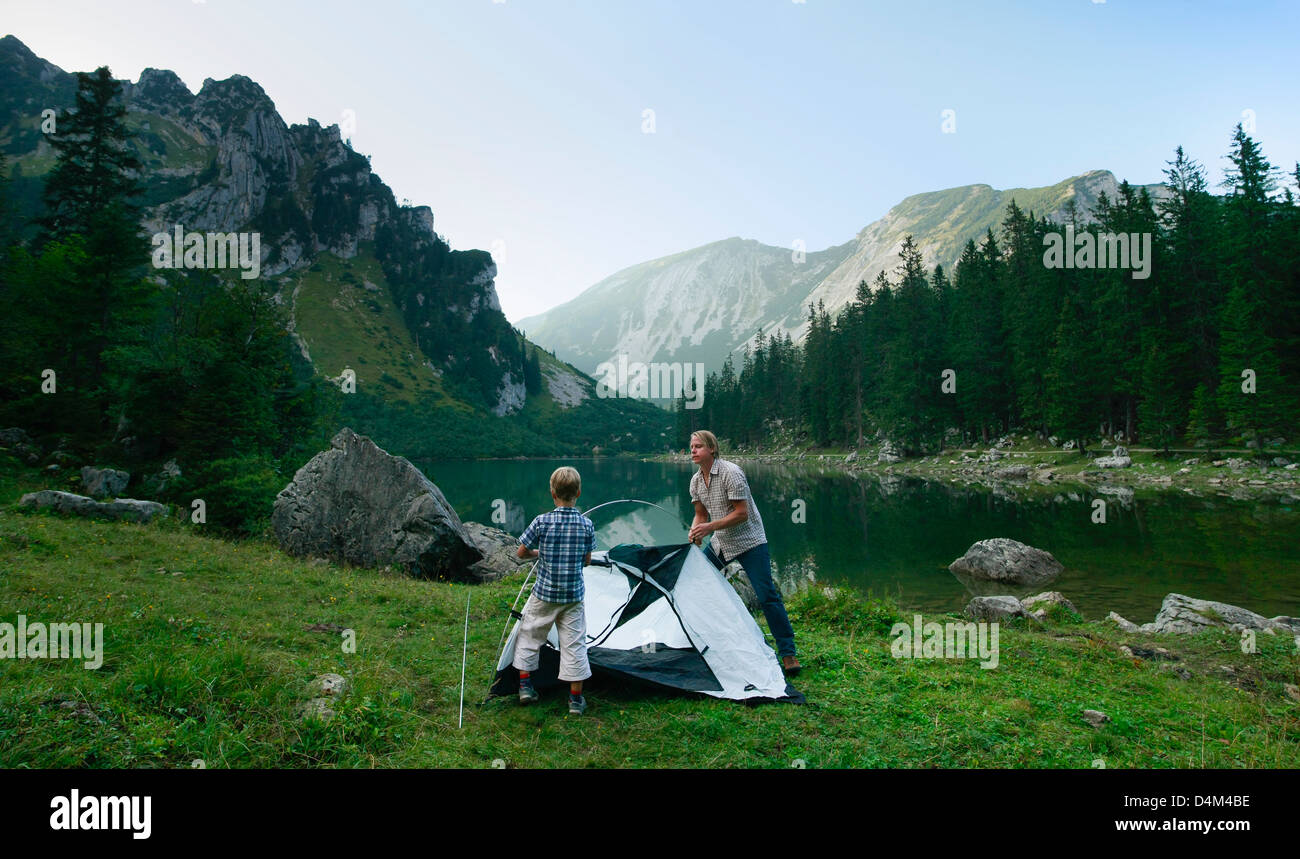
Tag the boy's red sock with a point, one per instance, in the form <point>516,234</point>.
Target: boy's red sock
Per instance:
<point>524,675</point>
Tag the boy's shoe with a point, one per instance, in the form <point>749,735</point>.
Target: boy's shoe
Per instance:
<point>577,705</point>
<point>790,665</point>
<point>527,694</point>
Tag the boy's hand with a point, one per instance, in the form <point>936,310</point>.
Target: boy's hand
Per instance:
<point>525,552</point>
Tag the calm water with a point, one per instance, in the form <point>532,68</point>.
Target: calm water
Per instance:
<point>898,536</point>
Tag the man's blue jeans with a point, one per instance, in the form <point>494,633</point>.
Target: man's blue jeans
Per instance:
<point>757,563</point>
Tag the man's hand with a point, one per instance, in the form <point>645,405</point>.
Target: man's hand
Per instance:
<point>525,552</point>
<point>699,531</point>
<point>701,518</point>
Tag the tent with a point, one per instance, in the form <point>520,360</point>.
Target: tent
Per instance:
<point>664,615</point>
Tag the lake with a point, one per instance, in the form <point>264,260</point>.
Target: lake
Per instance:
<point>896,536</point>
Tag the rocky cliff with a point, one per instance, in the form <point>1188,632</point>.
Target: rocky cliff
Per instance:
<point>224,160</point>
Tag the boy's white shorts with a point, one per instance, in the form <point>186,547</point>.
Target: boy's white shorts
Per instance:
<point>570,621</point>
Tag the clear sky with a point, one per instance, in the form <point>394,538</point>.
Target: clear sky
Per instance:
<point>521,123</point>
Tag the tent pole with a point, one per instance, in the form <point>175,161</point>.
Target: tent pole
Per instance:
<point>464,652</point>
<point>513,608</point>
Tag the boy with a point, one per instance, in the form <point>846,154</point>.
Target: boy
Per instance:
<point>562,541</point>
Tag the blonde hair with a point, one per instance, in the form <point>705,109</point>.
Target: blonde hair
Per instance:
<point>566,483</point>
<point>710,440</point>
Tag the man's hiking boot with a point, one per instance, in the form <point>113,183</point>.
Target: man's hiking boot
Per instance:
<point>790,665</point>
<point>577,705</point>
<point>527,694</point>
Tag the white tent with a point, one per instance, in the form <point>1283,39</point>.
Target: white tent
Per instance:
<point>665,614</point>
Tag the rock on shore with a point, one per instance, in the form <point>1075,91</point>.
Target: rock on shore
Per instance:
<point>1006,561</point>
<point>129,509</point>
<point>1184,615</point>
<point>357,503</point>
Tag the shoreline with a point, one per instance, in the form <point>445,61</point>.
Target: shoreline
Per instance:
<point>1015,464</point>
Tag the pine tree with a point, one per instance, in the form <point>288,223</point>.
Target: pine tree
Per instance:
<point>1204,421</point>
<point>1030,307</point>
<point>1256,289</point>
<point>1072,395</point>
<point>723,394</point>
<point>1117,305</point>
<point>978,339</point>
<point>913,390</point>
<point>90,201</point>
<point>96,168</point>
<point>817,374</point>
<point>1189,220</point>
<point>1161,410</point>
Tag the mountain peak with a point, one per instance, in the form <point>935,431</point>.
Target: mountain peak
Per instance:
<point>235,90</point>
<point>161,90</point>
<point>18,59</point>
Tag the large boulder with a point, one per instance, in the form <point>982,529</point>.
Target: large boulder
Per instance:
<point>995,608</point>
<point>1112,461</point>
<point>500,552</point>
<point>1006,561</point>
<point>130,509</point>
<point>104,482</point>
<point>1184,615</point>
<point>357,503</point>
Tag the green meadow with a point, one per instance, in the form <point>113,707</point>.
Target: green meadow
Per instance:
<point>210,646</point>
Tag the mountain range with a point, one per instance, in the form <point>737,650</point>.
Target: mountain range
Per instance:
<point>707,303</point>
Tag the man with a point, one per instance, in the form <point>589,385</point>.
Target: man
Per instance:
<point>725,508</point>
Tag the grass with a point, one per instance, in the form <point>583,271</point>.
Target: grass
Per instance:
<point>210,646</point>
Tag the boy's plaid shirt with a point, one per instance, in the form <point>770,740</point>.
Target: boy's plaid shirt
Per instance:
<point>561,537</point>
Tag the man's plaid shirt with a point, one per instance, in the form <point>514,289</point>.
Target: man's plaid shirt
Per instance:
<point>561,538</point>
<point>727,484</point>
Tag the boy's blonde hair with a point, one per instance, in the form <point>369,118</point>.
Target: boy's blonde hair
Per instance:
<point>566,483</point>
<point>710,440</point>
